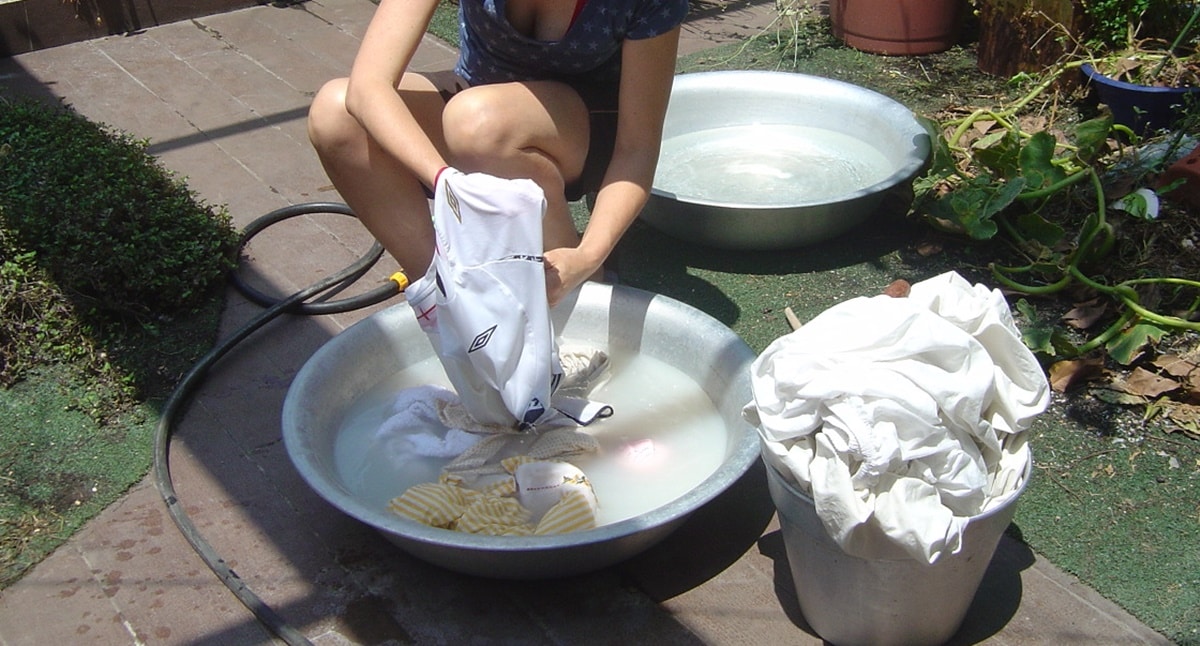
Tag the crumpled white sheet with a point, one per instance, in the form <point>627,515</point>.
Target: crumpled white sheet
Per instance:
<point>903,417</point>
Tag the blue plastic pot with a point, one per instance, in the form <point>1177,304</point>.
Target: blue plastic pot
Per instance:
<point>1142,108</point>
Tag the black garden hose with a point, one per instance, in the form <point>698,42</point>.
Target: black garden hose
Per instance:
<point>297,303</point>
<point>347,277</point>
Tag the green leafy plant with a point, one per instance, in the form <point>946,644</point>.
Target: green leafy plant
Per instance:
<point>990,177</point>
<point>1165,60</point>
<point>1113,24</point>
<point>39,322</point>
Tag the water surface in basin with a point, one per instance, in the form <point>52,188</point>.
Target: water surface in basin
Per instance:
<point>664,439</point>
<point>768,165</point>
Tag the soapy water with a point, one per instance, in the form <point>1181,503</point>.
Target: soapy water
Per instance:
<point>664,438</point>
<point>761,165</point>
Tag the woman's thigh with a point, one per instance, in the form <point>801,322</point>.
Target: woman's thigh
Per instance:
<point>493,121</point>
<point>336,132</point>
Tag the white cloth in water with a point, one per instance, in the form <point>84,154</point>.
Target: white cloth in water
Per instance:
<point>419,408</point>
<point>430,421</point>
<point>483,300</point>
<point>900,414</point>
<point>541,485</point>
<point>584,369</point>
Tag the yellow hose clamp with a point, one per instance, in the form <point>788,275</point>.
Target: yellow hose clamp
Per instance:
<point>400,279</point>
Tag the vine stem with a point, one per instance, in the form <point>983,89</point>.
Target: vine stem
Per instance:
<point>1057,186</point>
<point>1032,290</point>
<point>1104,337</point>
<point>1003,115</point>
<point>1085,241</point>
<point>1128,297</point>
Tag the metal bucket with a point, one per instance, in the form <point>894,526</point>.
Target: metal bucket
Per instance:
<point>850,600</point>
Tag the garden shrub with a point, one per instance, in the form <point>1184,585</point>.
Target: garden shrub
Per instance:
<point>103,217</point>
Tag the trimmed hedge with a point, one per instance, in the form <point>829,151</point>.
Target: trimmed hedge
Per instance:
<point>103,217</point>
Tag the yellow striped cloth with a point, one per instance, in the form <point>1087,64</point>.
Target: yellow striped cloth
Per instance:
<point>572,514</point>
<point>495,516</point>
<point>436,504</point>
<point>494,510</point>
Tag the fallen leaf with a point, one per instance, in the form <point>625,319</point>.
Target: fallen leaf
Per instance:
<point>1192,432</point>
<point>927,249</point>
<point>1185,417</point>
<point>1192,354</point>
<point>1182,413</point>
<point>1177,366</point>
<point>982,126</point>
<point>1033,123</point>
<point>1065,375</point>
<point>1174,364</point>
<point>899,288</point>
<point>1085,315</point>
<point>1117,397</point>
<point>1143,383</point>
<point>1130,344</point>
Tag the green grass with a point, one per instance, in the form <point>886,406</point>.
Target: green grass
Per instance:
<point>61,468</point>
<point>1120,509</point>
<point>445,22</point>
<point>72,443</point>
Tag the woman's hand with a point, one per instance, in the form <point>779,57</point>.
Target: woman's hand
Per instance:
<point>566,269</point>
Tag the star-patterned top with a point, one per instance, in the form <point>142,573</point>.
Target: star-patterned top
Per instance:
<point>587,57</point>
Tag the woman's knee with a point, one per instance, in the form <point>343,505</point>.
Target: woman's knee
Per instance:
<point>330,125</point>
<point>490,123</point>
<point>477,129</point>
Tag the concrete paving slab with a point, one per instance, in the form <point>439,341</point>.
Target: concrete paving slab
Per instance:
<point>223,99</point>
<point>61,602</point>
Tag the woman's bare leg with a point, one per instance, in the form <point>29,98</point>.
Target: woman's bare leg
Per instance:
<point>536,130</point>
<point>384,195</point>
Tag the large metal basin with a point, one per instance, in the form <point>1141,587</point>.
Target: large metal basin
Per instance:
<point>619,318</point>
<point>775,160</point>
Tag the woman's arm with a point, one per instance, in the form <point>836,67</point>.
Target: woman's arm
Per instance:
<point>647,70</point>
<point>387,49</point>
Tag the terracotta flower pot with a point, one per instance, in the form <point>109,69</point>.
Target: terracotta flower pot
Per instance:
<point>1186,169</point>
<point>897,27</point>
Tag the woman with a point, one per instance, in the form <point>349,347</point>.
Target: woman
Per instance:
<point>568,93</point>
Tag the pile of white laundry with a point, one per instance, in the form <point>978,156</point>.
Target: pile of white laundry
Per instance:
<point>903,417</point>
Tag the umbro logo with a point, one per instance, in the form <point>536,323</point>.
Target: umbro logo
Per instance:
<point>481,339</point>
<point>452,202</point>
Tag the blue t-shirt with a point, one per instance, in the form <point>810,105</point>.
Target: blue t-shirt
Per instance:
<point>588,57</point>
